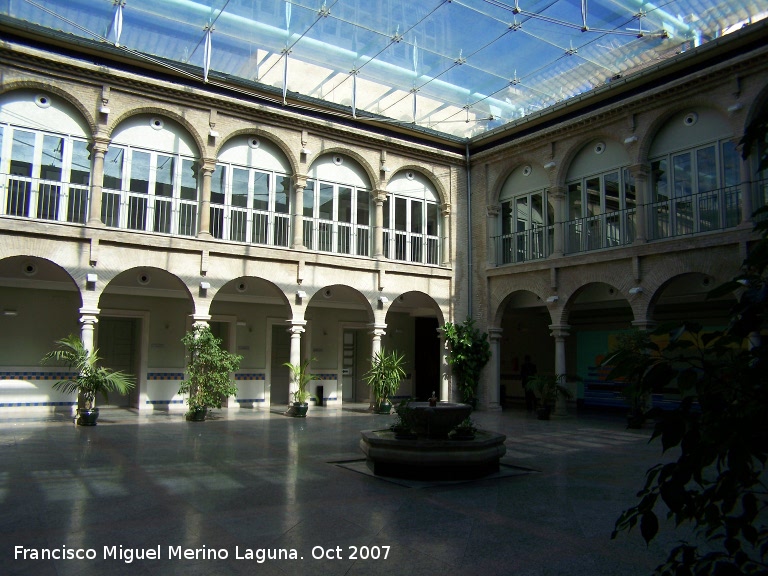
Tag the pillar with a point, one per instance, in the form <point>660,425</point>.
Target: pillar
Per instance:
<point>294,356</point>
<point>492,213</point>
<point>88,319</point>
<point>204,227</point>
<point>745,175</point>
<point>639,173</point>
<point>100,147</point>
<point>297,211</point>
<point>494,378</point>
<point>379,197</point>
<point>445,369</point>
<point>557,195</point>
<point>445,236</point>
<point>378,331</point>
<point>560,332</point>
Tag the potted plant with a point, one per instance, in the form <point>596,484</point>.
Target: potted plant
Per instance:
<point>209,368</point>
<point>89,379</point>
<point>403,416</point>
<point>547,388</point>
<point>384,378</point>
<point>464,431</point>
<point>628,361</point>
<point>301,376</point>
<point>470,352</point>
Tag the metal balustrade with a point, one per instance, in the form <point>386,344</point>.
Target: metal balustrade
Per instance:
<point>600,231</point>
<point>43,199</point>
<point>337,237</point>
<point>411,247</point>
<point>250,226</point>
<point>693,214</point>
<point>137,211</point>
<point>533,244</point>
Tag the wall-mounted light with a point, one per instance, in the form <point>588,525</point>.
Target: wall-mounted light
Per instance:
<point>550,165</point>
<point>205,285</point>
<point>10,313</point>
<point>733,108</point>
<point>300,295</point>
<point>241,323</point>
<point>385,168</point>
<point>306,151</point>
<point>104,109</point>
<point>91,278</point>
<point>383,299</point>
<point>213,133</point>
<point>552,299</point>
<point>630,140</point>
<point>636,290</point>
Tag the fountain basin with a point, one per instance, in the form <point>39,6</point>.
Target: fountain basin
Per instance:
<point>436,421</point>
<point>432,458</point>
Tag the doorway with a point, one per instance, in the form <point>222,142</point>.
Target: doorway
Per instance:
<point>426,364</point>
<point>118,344</point>
<point>279,374</point>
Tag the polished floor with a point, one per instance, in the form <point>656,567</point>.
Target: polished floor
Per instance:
<point>216,497</point>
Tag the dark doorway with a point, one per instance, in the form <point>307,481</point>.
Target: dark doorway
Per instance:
<point>118,344</point>
<point>426,364</point>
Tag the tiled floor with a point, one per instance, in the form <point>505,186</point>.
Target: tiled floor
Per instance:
<point>257,480</point>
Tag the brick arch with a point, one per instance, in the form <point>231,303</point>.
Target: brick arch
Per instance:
<point>501,178</point>
<point>442,193</point>
<point>505,286</point>
<point>266,135</point>
<point>573,150</point>
<point>164,112</point>
<point>75,276</point>
<point>357,157</point>
<point>70,97</point>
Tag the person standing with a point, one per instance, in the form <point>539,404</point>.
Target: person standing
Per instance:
<point>527,371</point>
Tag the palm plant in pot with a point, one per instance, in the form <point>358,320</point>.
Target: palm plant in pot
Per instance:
<point>302,377</point>
<point>384,377</point>
<point>89,379</point>
<point>209,370</point>
<point>547,388</point>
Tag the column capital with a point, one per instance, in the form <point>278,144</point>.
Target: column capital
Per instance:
<point>646,324</point>
<point>100,144</point>
<point>378,329</point>
<point>379,194</point>
<point>296,326</point>
<point>495,333</point>
<point>201,319</point>
<point>560,330</point>
<point>208,164</point>
<point>445,209</point>
<point>492,210</point>
<point>556,192</point>
<point>299,180</point>
<point>639,171</point>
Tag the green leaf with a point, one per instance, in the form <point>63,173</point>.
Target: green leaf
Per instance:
<point>649,526</point>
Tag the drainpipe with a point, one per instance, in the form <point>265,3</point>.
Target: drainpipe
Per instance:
<point>469,235</point>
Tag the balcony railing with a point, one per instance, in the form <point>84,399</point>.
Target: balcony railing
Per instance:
<point>250,226</point>
<point>533,244</point>
<point>137,211</point>
<point>43,199</point>
<point>337,237</point>
<point>601,231</point>
<point>703,212</point>
<point>411,247</point>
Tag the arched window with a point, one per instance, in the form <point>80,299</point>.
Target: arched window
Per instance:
<point>43,173</point>
<point>411,220</point>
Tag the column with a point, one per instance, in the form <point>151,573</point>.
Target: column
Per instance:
<point>445,239</point>
<point>445,369</point>
<point>745,176</point>
<point>200,320</point>
<point>379,197</point>
<point>204,219</point>
<point>88,319</point>
<point>557,195</point>
<point>492,214</point>
<point>494,378</point>
<point>560,332</point>
<point>639,173</point>
<point>379,330</point>
<point>294,356</point>
<point>297,211</point>
<point>100,146</point>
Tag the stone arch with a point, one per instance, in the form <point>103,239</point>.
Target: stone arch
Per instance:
<point>163,112</point>
<point>683,296</point>
<point>442,194</point>
<point>503,287</point>
<point>595,293</point>
<point>69,97</point>
<point>370,173</point>
<point>267,135</point>
<point>575,150</point>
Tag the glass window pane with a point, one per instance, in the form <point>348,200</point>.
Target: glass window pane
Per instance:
<point>325,209</point>
<point>537,211</point>
<point>731,164</point>
<point>706,168</point>
<point>612,192</point>
<point>521,214</point>
<point>218,184</point>
<point>113,168</point>
<point>309,199</point>
<point>345,204</point>
<point>681,175</point>
<point>432,222</point>
<point>22,153</point>
<point>188,179</point>
<point>240,187</point>
<point>506,217</point>
<point>630,196</point>
<point>659,182</point>
<point>164,176</point>
<point>574,200</point>
<point>53,154</point>
<point>139,181</point>
<point>593,196</point>
<point>282,194</point>
<point>260,191</point>
<point>386,207</point>
<point>417,216</point>
<point>363,207</point>
<point>80,170</point>
<point>401,214</point>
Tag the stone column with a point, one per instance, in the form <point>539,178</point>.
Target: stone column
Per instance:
<point>100,147</point>
<point>494,378</point>
<point>379,331</point>
<point>88,320</point>
<point>492,213</point>
<point>557,195</point>
<point>640,174</point>
<point>445,236</point>
<point>204,219</point>
<point>379,197</point>
<point>294,357</point>
<point>560,332</point>
<point>297,211</point>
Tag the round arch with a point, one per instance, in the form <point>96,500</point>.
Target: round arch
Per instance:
<point>188,126</point>
<point>354,155</point>
<point>442,194</point>
<point>268,136</point>
<point>65,95</point>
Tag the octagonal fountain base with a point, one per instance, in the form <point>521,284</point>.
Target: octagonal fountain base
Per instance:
<point>430,458</point>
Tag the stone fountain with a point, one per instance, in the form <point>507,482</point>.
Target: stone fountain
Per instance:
<point>431,454</point>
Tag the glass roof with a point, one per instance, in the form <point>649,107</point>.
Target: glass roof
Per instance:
<point>457,67</point>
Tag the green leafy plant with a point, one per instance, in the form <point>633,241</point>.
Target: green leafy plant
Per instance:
<point>469,353</point>
<point>301,375</point>
<point>90,379</point>
<point>403,416</point>
<point>209,370</point>
<point>548,388</point>
<point>385,374</point>
<point>631,349</point>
